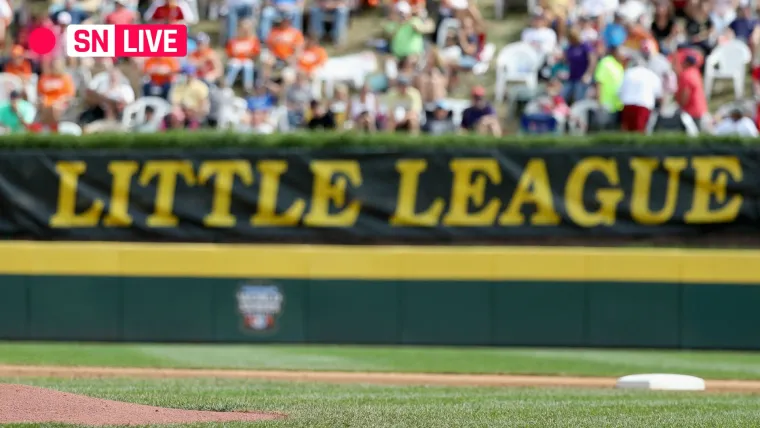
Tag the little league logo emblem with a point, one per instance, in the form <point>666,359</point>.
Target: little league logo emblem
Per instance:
<point>260,306</point>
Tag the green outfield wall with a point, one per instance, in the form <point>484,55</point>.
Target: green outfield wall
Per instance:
<point>384,295</point>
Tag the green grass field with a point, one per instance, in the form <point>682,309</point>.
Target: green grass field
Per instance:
<point>575,362</point>
<point>354,405</point>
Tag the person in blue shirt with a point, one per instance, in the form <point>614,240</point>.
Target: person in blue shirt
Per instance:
<point>744,26</point>
<point>70,7</point>
<point>261,98</point>
<point>615,34</point>
<point>292,9</point>
<point>480,117</point>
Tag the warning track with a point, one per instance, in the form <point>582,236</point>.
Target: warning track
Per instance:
<point>350,377</point>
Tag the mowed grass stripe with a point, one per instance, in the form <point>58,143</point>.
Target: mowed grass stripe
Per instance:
<point>570,362</point>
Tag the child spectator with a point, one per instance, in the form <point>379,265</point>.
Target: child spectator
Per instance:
<point>18,65</point>
<point>122,14</point>
<point>480,117</point>
<point>55,90</point>
<point>242,51</point>
<point>169,12</point>
<point>286,43</point>
<point>206,60</point>
<point>275,9</point>
<point>312,58</point>
<point>16,115</point>
<point>581,62</point>
<point>160,72</point>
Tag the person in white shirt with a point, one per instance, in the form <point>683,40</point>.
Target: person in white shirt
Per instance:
<point>639,92</point>
<point>540,36</point>
<point>736,124</point>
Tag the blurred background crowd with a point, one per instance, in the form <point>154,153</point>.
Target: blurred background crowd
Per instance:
<point>265,66</point>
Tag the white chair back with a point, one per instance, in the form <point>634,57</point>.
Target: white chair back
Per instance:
<point>578,119</point>
<point>729,57</point>
<point>99,81</point>
<point>69,128</point>
<point>10,82</point>
<point>447,25</point>
<point>134,114</point>
<point>457,107</point>
<point>518,59</point>
<point>232,114</point>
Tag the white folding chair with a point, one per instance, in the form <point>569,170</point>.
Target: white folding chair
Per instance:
<point>69,128</point>
<point>727,61</point>
<point>10,82</point>
<point>457,107</point>
<point>516,62</point>
<point>578,118</point>
<point>134,113</point>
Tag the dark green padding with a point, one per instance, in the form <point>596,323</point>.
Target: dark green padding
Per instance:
<point>516,313</point>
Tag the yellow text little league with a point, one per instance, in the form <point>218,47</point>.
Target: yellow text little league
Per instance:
<point>468,202</point>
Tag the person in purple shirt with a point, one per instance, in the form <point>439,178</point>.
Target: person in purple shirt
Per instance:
<point>581,62</point>
<point>744,25</point>
<point>480,116</point>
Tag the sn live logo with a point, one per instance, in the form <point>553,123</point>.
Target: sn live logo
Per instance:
<point>152,40</point>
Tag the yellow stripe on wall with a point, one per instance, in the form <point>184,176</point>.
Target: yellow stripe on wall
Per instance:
<point>380,262</point>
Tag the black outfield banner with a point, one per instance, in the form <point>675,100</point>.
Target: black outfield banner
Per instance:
<point>364,196</point>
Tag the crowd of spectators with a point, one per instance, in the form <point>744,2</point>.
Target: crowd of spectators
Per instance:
<point>640,66</point>
<point>637,66</point>
<point>261,76</point>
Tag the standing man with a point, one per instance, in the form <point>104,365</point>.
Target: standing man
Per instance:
<point>609,76</point>
<point>639,92</point>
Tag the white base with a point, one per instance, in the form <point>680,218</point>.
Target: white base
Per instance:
<point>661,382</point>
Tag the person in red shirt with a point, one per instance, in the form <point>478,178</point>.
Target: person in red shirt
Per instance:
<point>242,50</point>
<point>122,14</point>
<point>170,12</point>
<point>691,91</point>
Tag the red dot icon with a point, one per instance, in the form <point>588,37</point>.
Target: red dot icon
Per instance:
<point>42,41</point>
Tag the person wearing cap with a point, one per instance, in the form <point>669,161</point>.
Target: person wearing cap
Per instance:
<point>242,51</point>
<point>480,117</point>
<point>122,14</point>
<point>17,114</point>
<point>540,36</point>
<point>206,60</point>
<point>440,121</point>
<point>285,43</point>
<point>408,34</point>
<point>639,92</point>
<point>690,94</point>
<point>161,72</point>
<point>403,98</point>
<point>191,94</point>
<point>276,10</point>
<point>18,65</point>
<point>737,124</point>
<point>337,11</point>
<point>170,12</point>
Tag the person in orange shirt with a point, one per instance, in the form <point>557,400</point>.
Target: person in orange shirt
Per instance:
<point>18,64</point>
<point>55,90</point>
<point>637,36</point>
<point>312,57</point>
<point>242,50</point>
<point>285,42</point>
<point>161,72</point>
<point>206,60</point>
